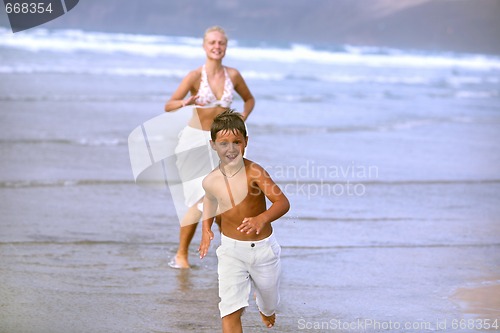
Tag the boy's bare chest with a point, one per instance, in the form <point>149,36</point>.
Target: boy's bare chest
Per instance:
<point>231,192</point>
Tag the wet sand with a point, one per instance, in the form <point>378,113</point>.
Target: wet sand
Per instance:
<point>481,300</point>
<point>113,276</point>
<point>83,290</point>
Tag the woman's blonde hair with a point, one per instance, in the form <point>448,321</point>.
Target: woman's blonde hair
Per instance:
<point>215,28</point>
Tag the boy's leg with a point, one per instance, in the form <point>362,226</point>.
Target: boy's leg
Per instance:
<point>266,278</point>
<point>232,322</point>
<point>234,280</point>
<point>268,320</point>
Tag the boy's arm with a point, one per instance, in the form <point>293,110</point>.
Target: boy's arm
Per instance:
<point>280,204</point>
<point>209,213</point>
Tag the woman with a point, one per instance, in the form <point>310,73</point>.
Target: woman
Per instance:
<point>211,89</point>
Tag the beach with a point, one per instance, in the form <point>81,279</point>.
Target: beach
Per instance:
<point>389,159</point>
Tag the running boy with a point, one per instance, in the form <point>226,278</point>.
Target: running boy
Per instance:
<point>237,190</point>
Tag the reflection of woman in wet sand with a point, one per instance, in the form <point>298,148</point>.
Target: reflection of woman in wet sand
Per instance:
<point>212,88</point>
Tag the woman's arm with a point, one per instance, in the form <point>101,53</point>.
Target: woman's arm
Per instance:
<point>187,85</point>
<point>242,89</point>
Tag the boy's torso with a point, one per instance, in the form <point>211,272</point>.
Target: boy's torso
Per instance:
<point>239,197</point>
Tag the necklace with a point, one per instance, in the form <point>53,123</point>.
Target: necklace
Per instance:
<point>234,174</point>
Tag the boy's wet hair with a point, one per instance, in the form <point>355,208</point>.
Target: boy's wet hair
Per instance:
<point>228,120</point>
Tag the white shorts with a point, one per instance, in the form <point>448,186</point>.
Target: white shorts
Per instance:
<point>242,263</point>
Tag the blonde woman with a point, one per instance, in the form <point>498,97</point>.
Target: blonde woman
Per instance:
<point>211,89</point>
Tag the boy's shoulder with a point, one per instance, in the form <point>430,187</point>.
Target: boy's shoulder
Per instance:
<point>210,178</point>
<point>253,168</point>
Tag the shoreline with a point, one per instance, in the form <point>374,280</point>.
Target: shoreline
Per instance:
<point>481,300</point>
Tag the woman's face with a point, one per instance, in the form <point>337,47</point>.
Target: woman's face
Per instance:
<point>215,45</point>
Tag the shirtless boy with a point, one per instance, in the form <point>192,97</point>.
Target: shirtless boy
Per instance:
<point>249,253</point>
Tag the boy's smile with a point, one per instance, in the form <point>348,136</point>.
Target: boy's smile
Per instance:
<point>230,146</point>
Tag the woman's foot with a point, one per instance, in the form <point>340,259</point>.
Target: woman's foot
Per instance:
<point>268,320</point>
<point>179,262</point>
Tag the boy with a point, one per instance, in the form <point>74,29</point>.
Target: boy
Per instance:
<point>237,190</point>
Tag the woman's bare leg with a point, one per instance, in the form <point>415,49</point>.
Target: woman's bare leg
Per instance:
<point>188,229</point>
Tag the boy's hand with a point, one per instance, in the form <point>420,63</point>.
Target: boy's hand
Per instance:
<point>251,224</point>
<point>206,238</point>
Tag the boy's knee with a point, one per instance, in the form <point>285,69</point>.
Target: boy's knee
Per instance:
<point>232,322</point>
<point>235,314</point>
<point>269,304</point>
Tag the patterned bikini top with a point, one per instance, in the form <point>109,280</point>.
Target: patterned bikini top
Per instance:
<point>206,95</point>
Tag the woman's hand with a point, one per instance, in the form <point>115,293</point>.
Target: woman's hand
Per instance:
<point>189,101</point>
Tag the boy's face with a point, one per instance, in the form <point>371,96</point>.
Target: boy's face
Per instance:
<point>230,146</point>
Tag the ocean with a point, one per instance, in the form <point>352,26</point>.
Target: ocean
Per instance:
<point>389,157</point>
